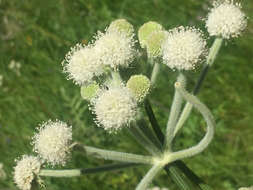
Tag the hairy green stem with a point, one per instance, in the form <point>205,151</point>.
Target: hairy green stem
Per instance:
<point>174,113</point>
<point>210,126</point>
<point>60,173</point>
<point>148,178</point>
<point>143,140</point>
<point>155,72</point>
<point>84,171</point>
<point>210,60</point>
<point>117,156</point>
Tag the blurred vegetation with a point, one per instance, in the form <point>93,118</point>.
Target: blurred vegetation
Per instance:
<point>38,34</point>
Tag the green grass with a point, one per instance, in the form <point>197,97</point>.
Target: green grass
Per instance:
<point>39,33</point>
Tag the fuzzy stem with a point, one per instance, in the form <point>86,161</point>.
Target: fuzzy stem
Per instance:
<point>155,72</point>
<point>143,140</point>
<point>174,113</point>
<point>117,156</point>
<point>214,51</point>
<point>60,173</point>
<point>210,127</point>
<point>148,178</point>
<point>85,171</point>
<point>210,60</point>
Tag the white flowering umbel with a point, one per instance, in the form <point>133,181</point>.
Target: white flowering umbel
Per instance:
<point>183,48</point>
<point>25,170</point>
<point>115,48</point>
<point>52,142</point>
<point>115,108</point>
<point>82,64</point>
<point>226,20</point>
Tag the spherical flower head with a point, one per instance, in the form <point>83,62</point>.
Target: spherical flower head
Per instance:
<point>122,26</point>
<point>226,20</point>
<point>90,91</point>
<point>115,108</point>
<point>82,64</point>
<point>139,85</point>
<point>146,29</point>
<point>183,48</point>
<point>115,48</point>
<point>25,171</point>
<point>154,43</point>
<point>52,142</point>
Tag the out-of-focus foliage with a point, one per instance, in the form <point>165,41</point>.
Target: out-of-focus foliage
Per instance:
<point>37,34</point>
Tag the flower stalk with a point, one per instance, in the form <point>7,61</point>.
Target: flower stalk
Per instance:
<point>117,156</point>
<point>214,50</point>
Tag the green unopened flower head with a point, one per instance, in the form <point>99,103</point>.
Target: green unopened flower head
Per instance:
<point>139,85</point>
<point>121,25</point>
<point>90,91</point>
<point>154,43</point>
<point>146,29</point>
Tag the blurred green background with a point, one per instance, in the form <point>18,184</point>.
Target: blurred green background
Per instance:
<point>35,35</point>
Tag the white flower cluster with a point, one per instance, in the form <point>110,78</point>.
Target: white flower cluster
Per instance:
<point>114,48</point>
<point>114,108</point>
<point>183,48</point>
<point>52,142</point>
<point>25,170</point>
<point>226,20</point>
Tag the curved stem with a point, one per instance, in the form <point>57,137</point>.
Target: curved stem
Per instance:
<point>210,127</point>
<point>183,117</point>
<point>214,50</point>
<point>117,156</point>
<point>148,178</point>
<point>174,113</point>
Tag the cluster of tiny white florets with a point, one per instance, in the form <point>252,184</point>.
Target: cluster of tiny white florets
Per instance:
<point>52,142</point>
<point>183,48</point>
<point>226,20</point>
<point>114,108</point>
<point>115,48</point>
<point>25,170</point>
<point>82,64</point>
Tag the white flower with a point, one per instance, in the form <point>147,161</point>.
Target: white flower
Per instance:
<point>25,171</point>
<point>115,48</point>
<point>52,142</point>
<point>183,48</point>
<point>114,108</point>
<point>82,64</point>
<point>226,20</point>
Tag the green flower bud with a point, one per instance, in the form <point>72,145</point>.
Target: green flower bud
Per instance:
<point>146,29</point>
<point>90,91</point>
<point>154,43</point>
<point>121,25</point>
<point>139,85</point>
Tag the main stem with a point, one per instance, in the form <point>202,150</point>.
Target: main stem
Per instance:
<point>147,179</point>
